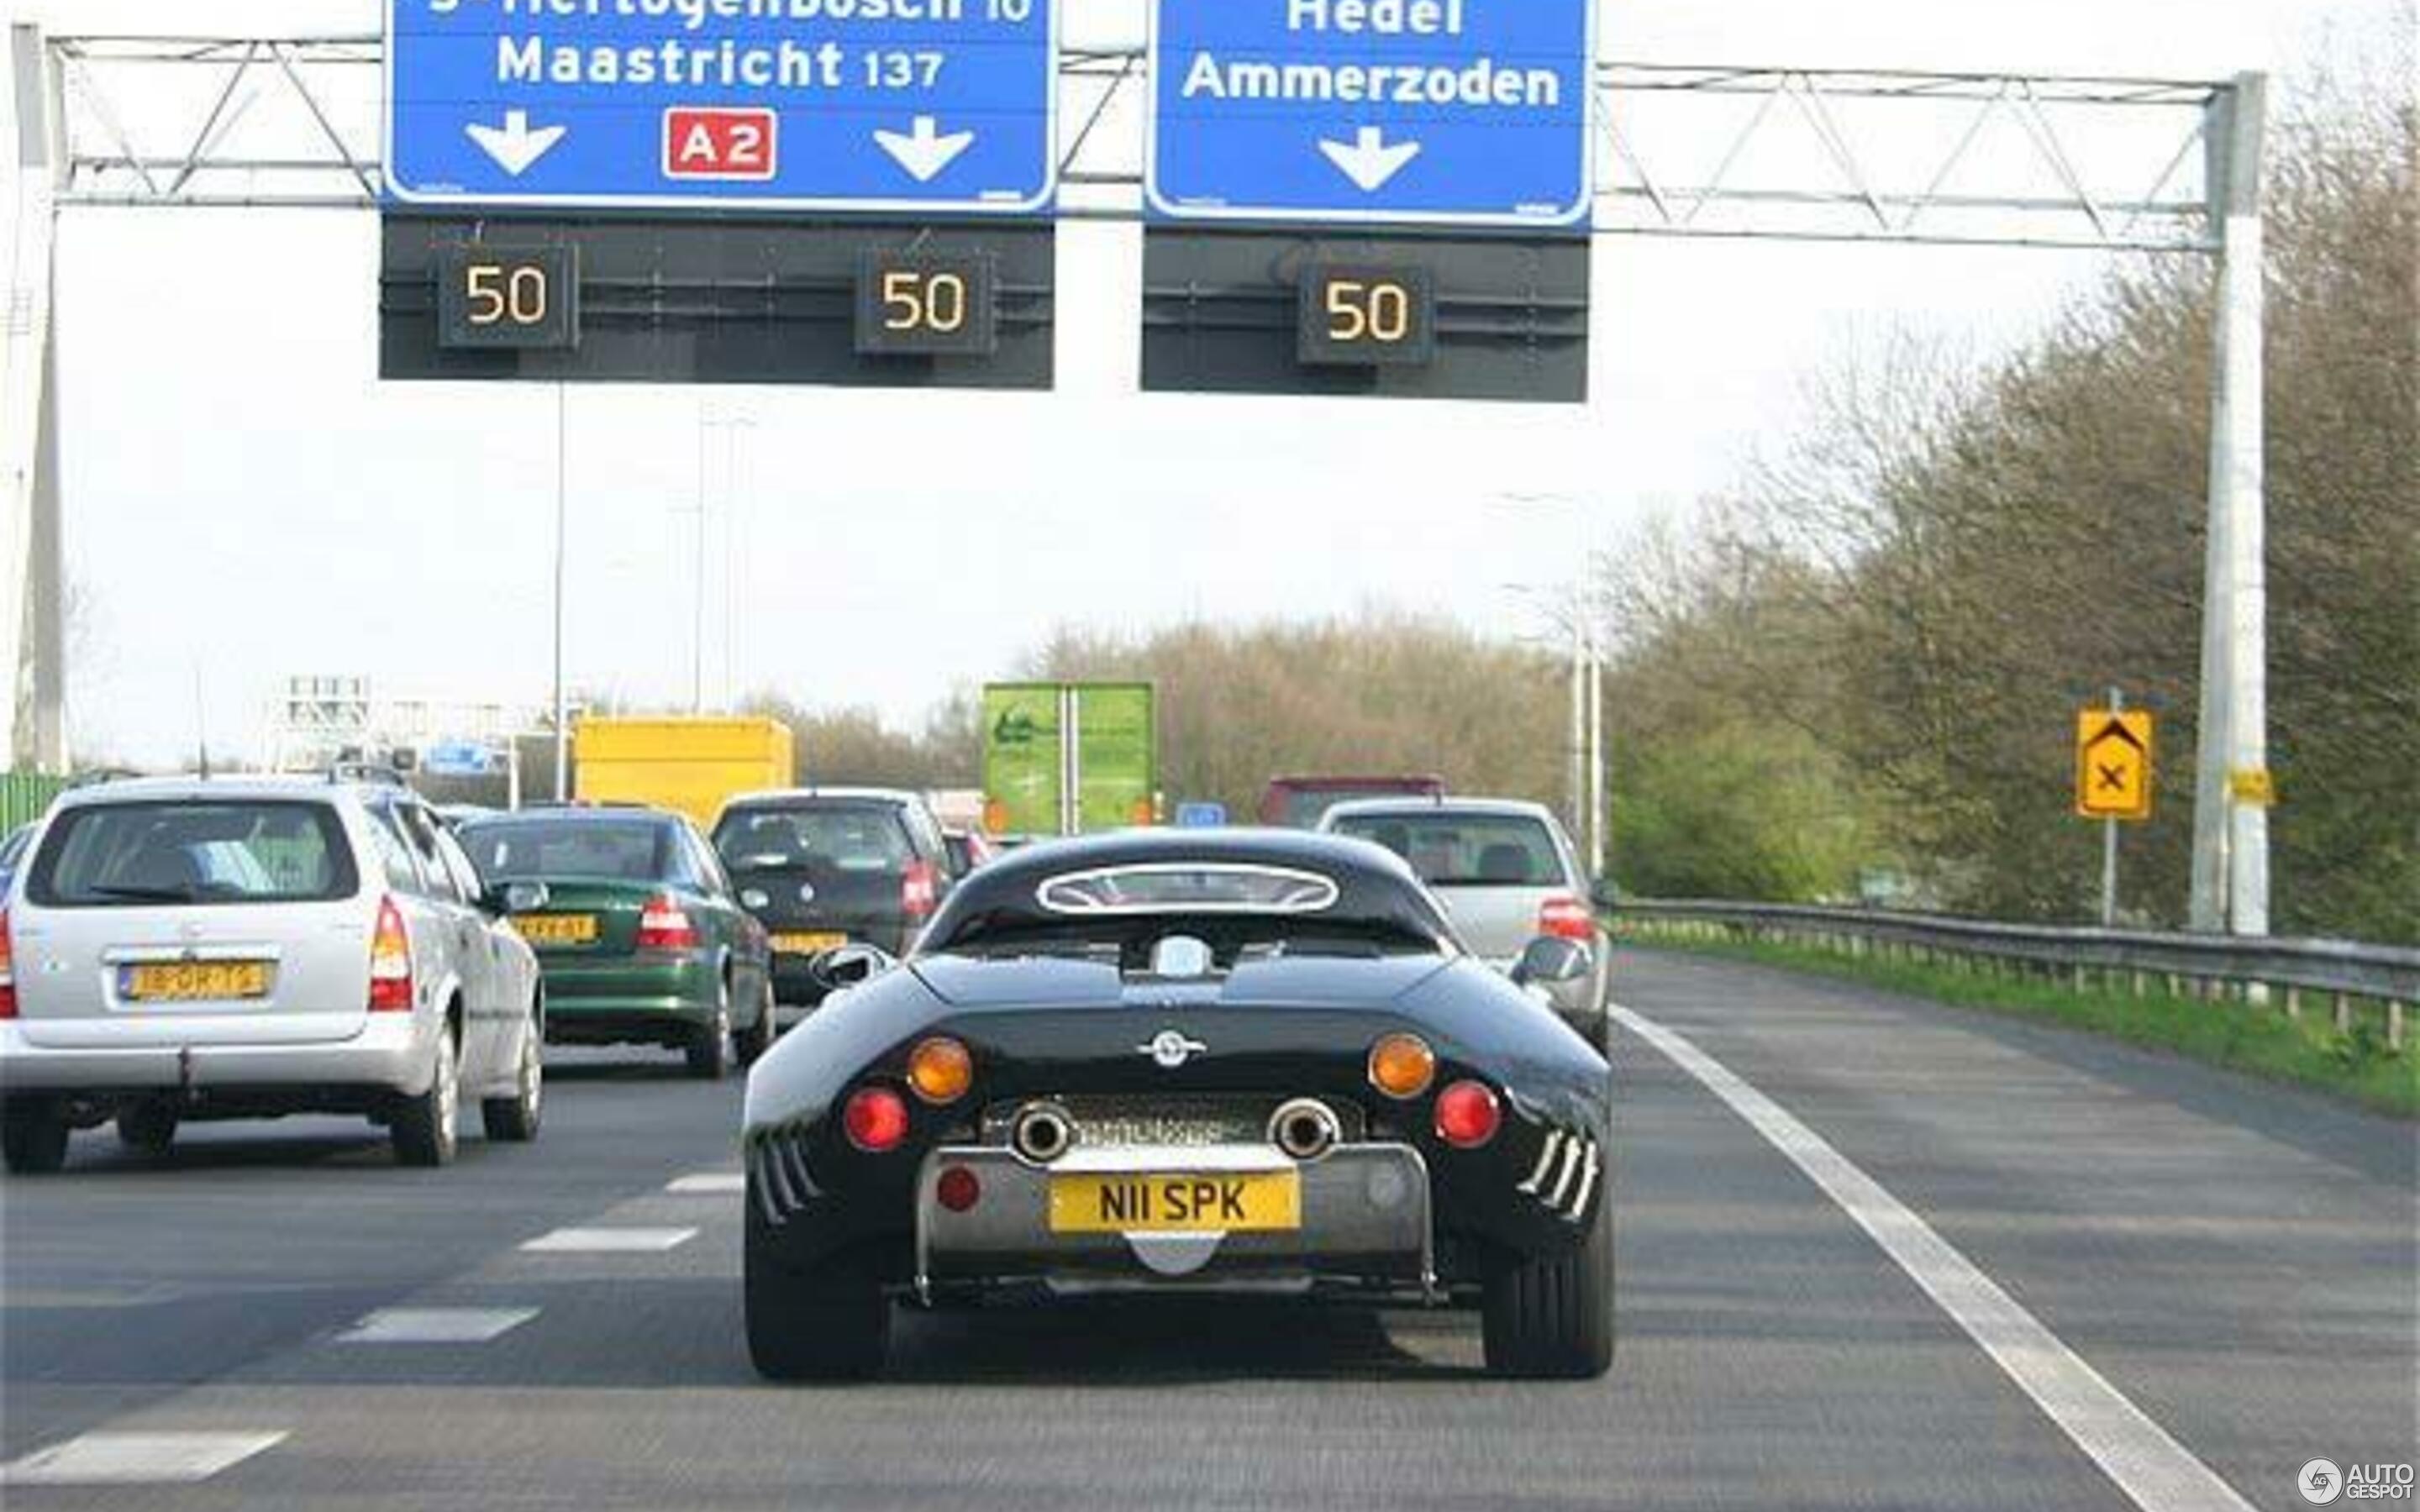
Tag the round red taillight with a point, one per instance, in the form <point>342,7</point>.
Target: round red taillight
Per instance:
<point>875,1119</point>
<point>1467,1116</point>
<point>959,1189</point>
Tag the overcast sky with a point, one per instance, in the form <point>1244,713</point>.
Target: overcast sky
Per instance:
<point>244,496</point>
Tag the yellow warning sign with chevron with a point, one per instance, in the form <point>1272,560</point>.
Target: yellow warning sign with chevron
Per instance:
<point>2113,763</point>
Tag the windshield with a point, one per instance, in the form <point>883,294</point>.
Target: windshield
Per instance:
<point>861,838</point>
<point>134,853</point>
<point>568,850</point>
<point>1451,850</point>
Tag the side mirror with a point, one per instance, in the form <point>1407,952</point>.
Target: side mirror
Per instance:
<point>836,971</point>
<point>517,898</point>
<point>1604,894</point>
<point>1550,960</point>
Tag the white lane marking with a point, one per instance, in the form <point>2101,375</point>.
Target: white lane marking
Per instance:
<point>436,1325</point>
<point>608,1240</point>
<point>707,1183</point>
<point>135,1459</point>
<point>2156,1472</point>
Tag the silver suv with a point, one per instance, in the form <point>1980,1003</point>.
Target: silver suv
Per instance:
<point>179,949</point>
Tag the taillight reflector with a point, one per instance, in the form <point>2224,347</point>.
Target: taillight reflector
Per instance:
<point>7,971</point>
<point>664,925</point>
<point>1568,918</point>
<point>390,962</point>
<point>1467,1114</point>
<point>875,1119</point>
<point>918,889</point>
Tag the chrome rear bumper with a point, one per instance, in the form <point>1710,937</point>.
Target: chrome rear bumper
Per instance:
<point>1364,1217</point>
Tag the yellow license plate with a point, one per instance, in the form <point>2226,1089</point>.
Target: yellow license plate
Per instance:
<point>192,982</point>
<point>1176,1203</point>
<point>557,929</point>
<point>808,944</point>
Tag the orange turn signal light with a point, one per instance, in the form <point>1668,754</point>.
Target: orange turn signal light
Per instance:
<point>940,1069</point>
<point>1401,1065</point>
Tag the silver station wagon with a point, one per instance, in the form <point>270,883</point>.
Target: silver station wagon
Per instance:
<point>183,949</point>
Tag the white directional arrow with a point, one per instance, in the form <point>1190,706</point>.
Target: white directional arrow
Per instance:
<point>514,145</point>
<point>1370,162</point>
<point>924,152</point>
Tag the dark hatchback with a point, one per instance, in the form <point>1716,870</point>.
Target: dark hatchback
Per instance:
<point>825,866</point>
<point>638,931</point>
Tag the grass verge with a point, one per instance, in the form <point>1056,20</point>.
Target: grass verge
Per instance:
<point>2358,1066</point>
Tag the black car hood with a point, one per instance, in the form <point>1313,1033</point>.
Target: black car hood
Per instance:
<point>1303,982</point>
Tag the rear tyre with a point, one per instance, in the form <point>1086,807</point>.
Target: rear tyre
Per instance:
<point>34,1137</point>
<point>709,1047</point>
<point>1552,1318</point>
<point>426,1128</point>
<point>148,1127</point>
<point>758,1037</point>
<point>824,1324</point>
<point>513,1119</point>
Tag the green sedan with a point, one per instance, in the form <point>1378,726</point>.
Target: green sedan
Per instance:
<point>638,934</point>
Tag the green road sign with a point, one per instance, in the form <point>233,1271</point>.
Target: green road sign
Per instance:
<point>1069,758</point>
<point>1021,758</point>
<point>1117,755</point>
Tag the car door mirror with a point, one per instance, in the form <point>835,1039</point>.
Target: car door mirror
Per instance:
<point>846,967</point>
<point>1550,960</point>
<point>516,898</point>
<point>1604,894</point>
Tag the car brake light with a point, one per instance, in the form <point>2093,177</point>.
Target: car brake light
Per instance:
<point>7,971</point>
<point>1467,1114</point>
<point>390,962</point>
<point>1567,919</point>
<point>664,925</point>
<point>875,1119</point>
<point>916,890</point>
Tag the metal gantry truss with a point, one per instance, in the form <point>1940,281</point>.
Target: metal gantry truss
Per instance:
<point>1879,155</point>
<point>1969,158</point>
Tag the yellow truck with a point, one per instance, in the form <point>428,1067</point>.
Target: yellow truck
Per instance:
<point>693,764</point>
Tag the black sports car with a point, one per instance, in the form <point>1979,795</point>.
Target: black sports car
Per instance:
<point>1183,1061</point>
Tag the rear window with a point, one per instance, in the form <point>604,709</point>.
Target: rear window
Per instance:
<point>1453,850</point>
<point>1306,806</point>
<point>1188,887</point>
<point>137,854</point>
<point>568,850</point>
<point>857,837</point>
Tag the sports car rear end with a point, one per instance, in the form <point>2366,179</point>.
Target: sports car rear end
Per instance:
<point>1180,1101</point>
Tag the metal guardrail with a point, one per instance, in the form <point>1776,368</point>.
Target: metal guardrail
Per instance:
<point>2255,970</point>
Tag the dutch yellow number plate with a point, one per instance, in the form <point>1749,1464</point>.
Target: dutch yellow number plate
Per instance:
<point>193,981</point>
<point>557,929</point>
<point>809,944</point>
<point>1265,1201</point>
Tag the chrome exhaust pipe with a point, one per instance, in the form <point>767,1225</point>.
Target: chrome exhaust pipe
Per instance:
<point>1305,1127</point>
<point>1042,1132</point>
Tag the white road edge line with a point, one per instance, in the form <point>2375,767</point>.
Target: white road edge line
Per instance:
<point>2156,1472</point>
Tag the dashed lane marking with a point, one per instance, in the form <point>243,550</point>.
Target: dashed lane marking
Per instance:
<point>707,1183</point>
<point>135,1459</point>
<point>436,1325</point>
<point>2156,1472</point>
<point>609,1241</point>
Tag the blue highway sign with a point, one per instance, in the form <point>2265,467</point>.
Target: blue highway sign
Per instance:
<point>840,105</point>
<point>1410,112</point>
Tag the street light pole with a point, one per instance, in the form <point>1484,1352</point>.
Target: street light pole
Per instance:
<point>561,700</point>
<point>697,602</point>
